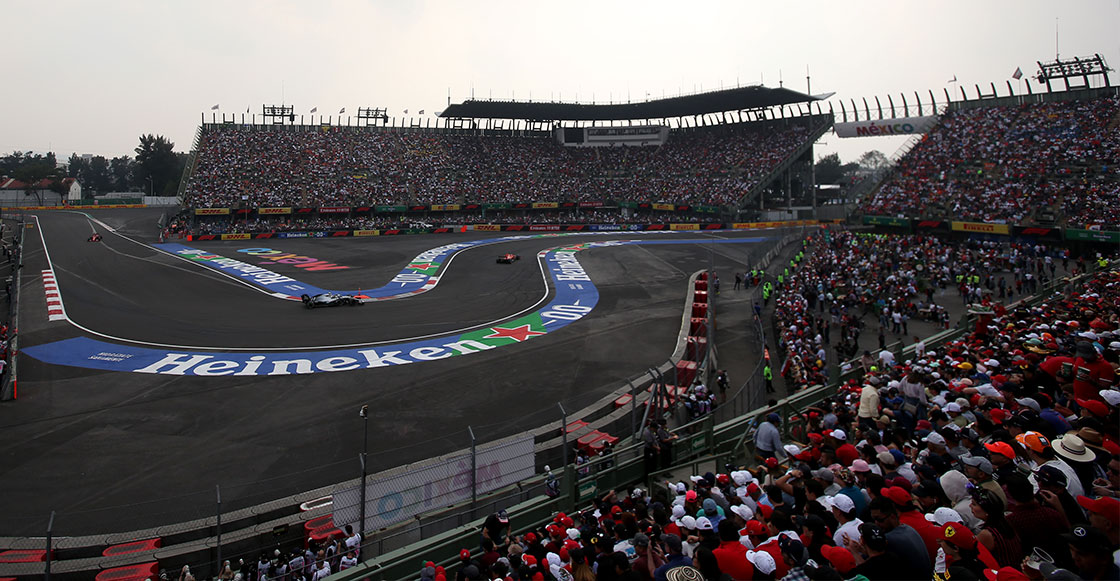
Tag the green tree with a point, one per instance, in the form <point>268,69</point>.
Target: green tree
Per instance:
<point>123,173</point>
<point>33,175</point>
<point>874,160</point>
<point>829,169</point>
<point>98,178</point>
<point>156,159</point>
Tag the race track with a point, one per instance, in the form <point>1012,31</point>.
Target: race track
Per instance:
<point>266,402</point>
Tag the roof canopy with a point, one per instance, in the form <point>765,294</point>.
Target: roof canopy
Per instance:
<point>754,97</point>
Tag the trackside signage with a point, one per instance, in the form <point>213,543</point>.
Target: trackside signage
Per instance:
<point>573,298</point>
<point>900,126</point>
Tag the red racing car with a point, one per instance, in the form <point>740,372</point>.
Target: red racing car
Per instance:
<point>508,258</point>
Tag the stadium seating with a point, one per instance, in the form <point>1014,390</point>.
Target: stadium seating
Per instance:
<point>263,166</point>
<point>1011,164</point>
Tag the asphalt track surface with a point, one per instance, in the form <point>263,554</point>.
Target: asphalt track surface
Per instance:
<point>117,451</point>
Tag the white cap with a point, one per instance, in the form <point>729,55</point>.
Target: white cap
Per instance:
<point>934,438</point>
<point>838,434</point>
<point>678,512</point>
<point>944,515</point>
<point>1111,396</point>
<point>762,561</point>
<point>842,502</point>
<point>743,511</point>
<point>953,407</point>
<point>688,522</point>
<point>573,534</point>
<point>791,449</point>
<point>704,523</point>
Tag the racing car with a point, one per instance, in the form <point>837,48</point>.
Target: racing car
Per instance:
<point>331,300</point>
<point>508,258</point>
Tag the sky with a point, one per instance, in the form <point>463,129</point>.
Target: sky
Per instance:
<point>92,76</point>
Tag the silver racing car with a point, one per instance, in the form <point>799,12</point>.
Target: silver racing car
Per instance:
<point>331,300</point>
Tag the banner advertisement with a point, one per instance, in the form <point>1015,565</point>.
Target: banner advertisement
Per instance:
<point>931,225</point>
<point>590,204</point>
<point>682,208</point>
<point>366,232</point>
<point>488,227</point>
<point>237,236</point>
<point>391,208</point>
<point>886,221</point>
<point>417,208</point>
<point>899,126</point>
<point>576,228</point>
<point>707,209</point>
<point>303,210</point>
<point>679,227</point>
<point>544,227</point>
<point>628,204</point>
<point>334,210</point>
<point>262,211</point>
<point>545,205</point>
<point>497,206</point>
<point>417,489</point>
<point>654,227</point>
<point>211,211</point>
<point>1092,235</point>
<point>1037,232</point>
<point>445,207</point>
<point>664,207</point>
<point>981,228</point>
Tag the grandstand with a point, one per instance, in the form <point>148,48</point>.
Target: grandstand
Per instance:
<point>1040,170</point>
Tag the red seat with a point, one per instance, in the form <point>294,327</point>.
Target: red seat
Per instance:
<point>623,400</point>
<point>130,572</point>
<point>23,556</point>
<point>133,547</point>
<point>699,309</point>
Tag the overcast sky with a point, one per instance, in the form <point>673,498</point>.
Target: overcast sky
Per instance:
<point>91,77</point>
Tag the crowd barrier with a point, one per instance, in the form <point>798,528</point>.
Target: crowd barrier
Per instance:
<point>1040,233</point>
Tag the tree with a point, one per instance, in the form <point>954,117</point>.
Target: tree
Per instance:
<point>874,160</point>
<point>122,169</point>
<point>829,169</point>
<point>98,178</point>
<point>33,174</point>
<point>156,159</point>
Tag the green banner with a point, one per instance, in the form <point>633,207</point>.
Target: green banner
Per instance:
<point>886,221</point>
<point>497,206</point>
<point>628,204</point>
<point>391,208</point>
<point>1092,235</point>
<point>707,209</point>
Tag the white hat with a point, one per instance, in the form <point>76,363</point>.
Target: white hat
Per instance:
<point>681,488</point>
<point>838,434</point>
<point>1029,402</point>
<point>742,477</point>
<point>953,407</point>
<point>678,512</point>
<point>791,449</point>
<point>842,502</point>
<point>944,515</point>
<point>704,523</point>
<point>743,511</point>
<point>1111,396</point>
<point>934,438</point>
<point>688,522</point>
<point>762,561</point>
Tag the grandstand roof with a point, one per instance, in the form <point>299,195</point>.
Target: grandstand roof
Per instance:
<point>739,98</point>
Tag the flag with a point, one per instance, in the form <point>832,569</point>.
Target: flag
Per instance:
<point>952,80</point>
<point>421,112</point>
<point>247,109</point>
<point>406,111</point>
<point>314,109</point>
<point>214,108</point>
<point>1018,74</point>
<point>342,110</point>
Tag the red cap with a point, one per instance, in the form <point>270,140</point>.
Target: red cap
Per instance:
<point>1095,407</point>
<point>998,415</point>
<point>538,576</point>
<point>528,560</point>
<point>959,535</point>
<point>1005,574</point>
<point>465,555</point>
<point>1112,447</point>
<point>752,488</point>
<point>1002,448</point>
<point>1105,506</point>
<point>531,538</point>
<point>924,425</point>
<point>563,554</point>
<point>723,479</point>
<point>897,494</point>
<point>755,527</point>
<point>617,509</point>
<point>690,495</point>
<point>815,438</point>
<point>771,462</point>
<point>766,510</point>
<point>840,558</point>
<point>431,564</point>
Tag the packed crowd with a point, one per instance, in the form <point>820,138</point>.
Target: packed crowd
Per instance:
<point>261,166</point>
<point>311,562</point>
<point>849,281</point>
<point>993,456</point>
<point>1002,164</point>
